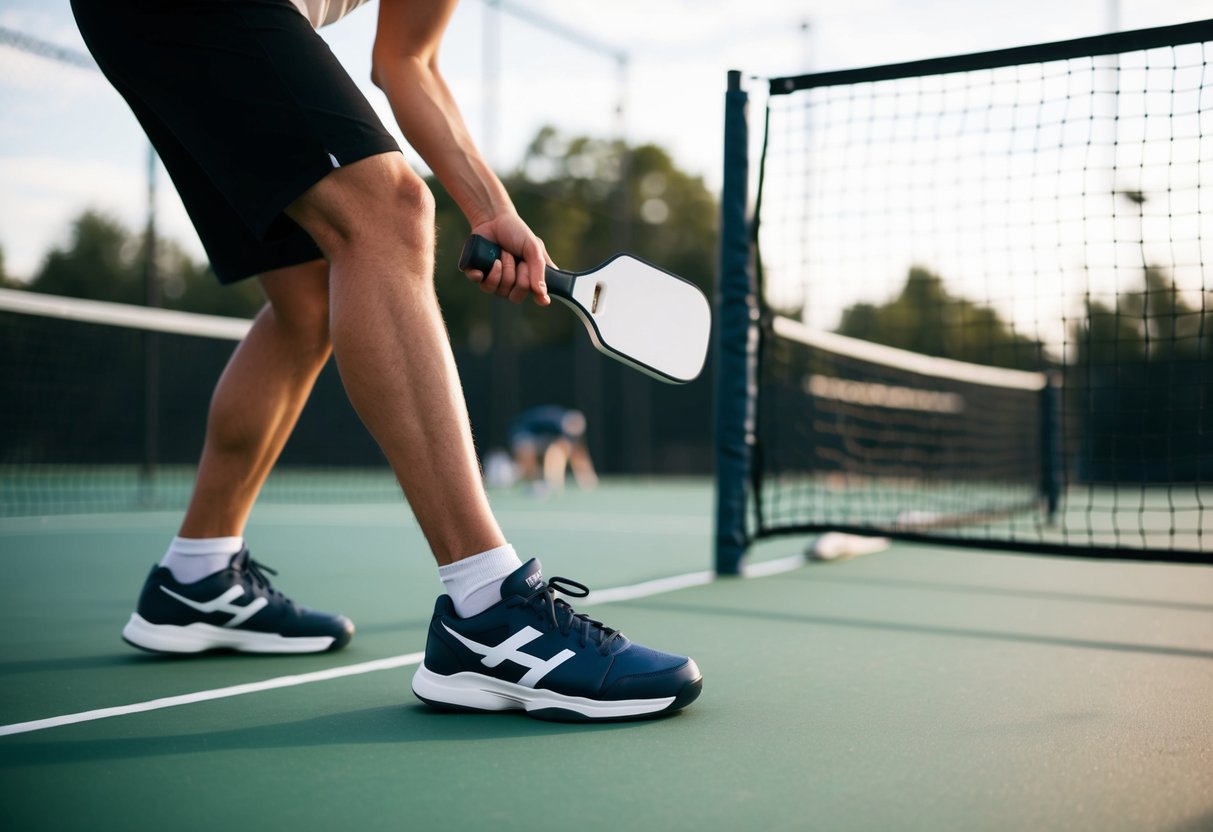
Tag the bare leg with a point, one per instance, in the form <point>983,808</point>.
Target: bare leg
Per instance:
<point>555,462</point>
<point>258,399</point>
<point>583,466</point>
<point>526,459</point>
<point>374,220</point>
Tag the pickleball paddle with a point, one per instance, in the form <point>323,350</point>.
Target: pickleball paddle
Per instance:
<point>635,312</point>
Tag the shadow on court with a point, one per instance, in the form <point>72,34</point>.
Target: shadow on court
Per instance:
<point>1201,824</point>
<point>919,629</point>
<point>815,576</point>
<point>391,724</point>
<point>130,657</point>
<point>74,663</point>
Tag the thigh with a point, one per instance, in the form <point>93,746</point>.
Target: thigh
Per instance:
<point>234,250</point>
<point>247,106</point>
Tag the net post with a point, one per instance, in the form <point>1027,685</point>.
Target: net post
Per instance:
<point>1050,444</point>
<point>736,339</point>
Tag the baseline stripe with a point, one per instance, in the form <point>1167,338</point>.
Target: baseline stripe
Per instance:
<point>773,567</point>
<point>647,588</point>
<point>217,693</point>
<point>676,582</point>
<point>602,596</point>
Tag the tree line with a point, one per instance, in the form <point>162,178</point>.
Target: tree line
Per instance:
<point>1153,322</point>
<point>588,198</point>
<point>1136,369</point>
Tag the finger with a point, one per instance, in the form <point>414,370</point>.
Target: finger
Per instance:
<point>489,283</point>
<point>536,257</point>
<point>509,275</point>
<point>522,287</point>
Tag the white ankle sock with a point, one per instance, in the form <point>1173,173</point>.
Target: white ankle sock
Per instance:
<point>192,560</point>
<point>474,583</point>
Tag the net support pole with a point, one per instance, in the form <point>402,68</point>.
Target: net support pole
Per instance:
<point>1050,444</point>
<point>736,336</point>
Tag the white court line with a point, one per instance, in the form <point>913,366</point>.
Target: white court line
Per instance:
<point>773,567</point>
<point>642,590</point>
<point>602,596</point>
<point>675,582</point>
<point>217,693</point>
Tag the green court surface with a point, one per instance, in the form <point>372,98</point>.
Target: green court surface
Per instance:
<point>918,688</point>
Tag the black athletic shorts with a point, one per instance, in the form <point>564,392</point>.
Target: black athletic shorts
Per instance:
<point>247,107</point>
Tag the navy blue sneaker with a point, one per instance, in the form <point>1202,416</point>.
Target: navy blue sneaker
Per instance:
<point>532,652</point>
<point>234,609</point>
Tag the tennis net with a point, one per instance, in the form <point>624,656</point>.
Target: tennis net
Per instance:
<point>1036,218</point>
<point>868,436</point>
<point>105,410</point>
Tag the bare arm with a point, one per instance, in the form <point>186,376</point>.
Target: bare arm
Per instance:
<point>405,67</point>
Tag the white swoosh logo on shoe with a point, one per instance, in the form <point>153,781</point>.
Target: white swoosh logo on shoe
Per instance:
<point>223,603</point>
<point>508,651</point>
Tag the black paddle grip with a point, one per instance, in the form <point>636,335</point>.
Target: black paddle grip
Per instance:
<point>479,254</point>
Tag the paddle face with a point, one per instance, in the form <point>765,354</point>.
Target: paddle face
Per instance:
<point>634,311</point>
<point>645,317</point>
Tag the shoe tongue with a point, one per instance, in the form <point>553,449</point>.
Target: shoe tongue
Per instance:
<point>524,580</point>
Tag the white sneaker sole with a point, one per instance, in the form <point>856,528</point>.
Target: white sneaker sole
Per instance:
<point>484,693</point>
<point>197,637</point>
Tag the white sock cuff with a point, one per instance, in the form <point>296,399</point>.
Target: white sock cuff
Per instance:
<point>205,547</point>
<point>192,559</point>
<point>474,583</point>
<point>482,568</point>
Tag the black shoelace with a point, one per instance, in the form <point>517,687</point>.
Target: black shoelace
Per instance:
<point>257,572</point>
<point>558,613</point>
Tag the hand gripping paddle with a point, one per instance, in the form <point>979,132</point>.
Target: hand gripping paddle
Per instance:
<point>636,313</point>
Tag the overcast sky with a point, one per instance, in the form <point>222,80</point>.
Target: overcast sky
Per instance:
<point>67,141</point>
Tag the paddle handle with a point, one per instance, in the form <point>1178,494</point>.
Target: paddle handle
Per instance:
<point>480,254</point>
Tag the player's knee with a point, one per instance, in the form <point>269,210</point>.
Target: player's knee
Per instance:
<point>378,202</point>
<point>401,208</point>
<point>414,203</point>
<point>306,320</point>
<point>406,222</point>
<point>299,302</point>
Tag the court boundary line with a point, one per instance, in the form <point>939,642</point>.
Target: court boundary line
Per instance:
<point>629,592</point>
<point>210,695</point>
